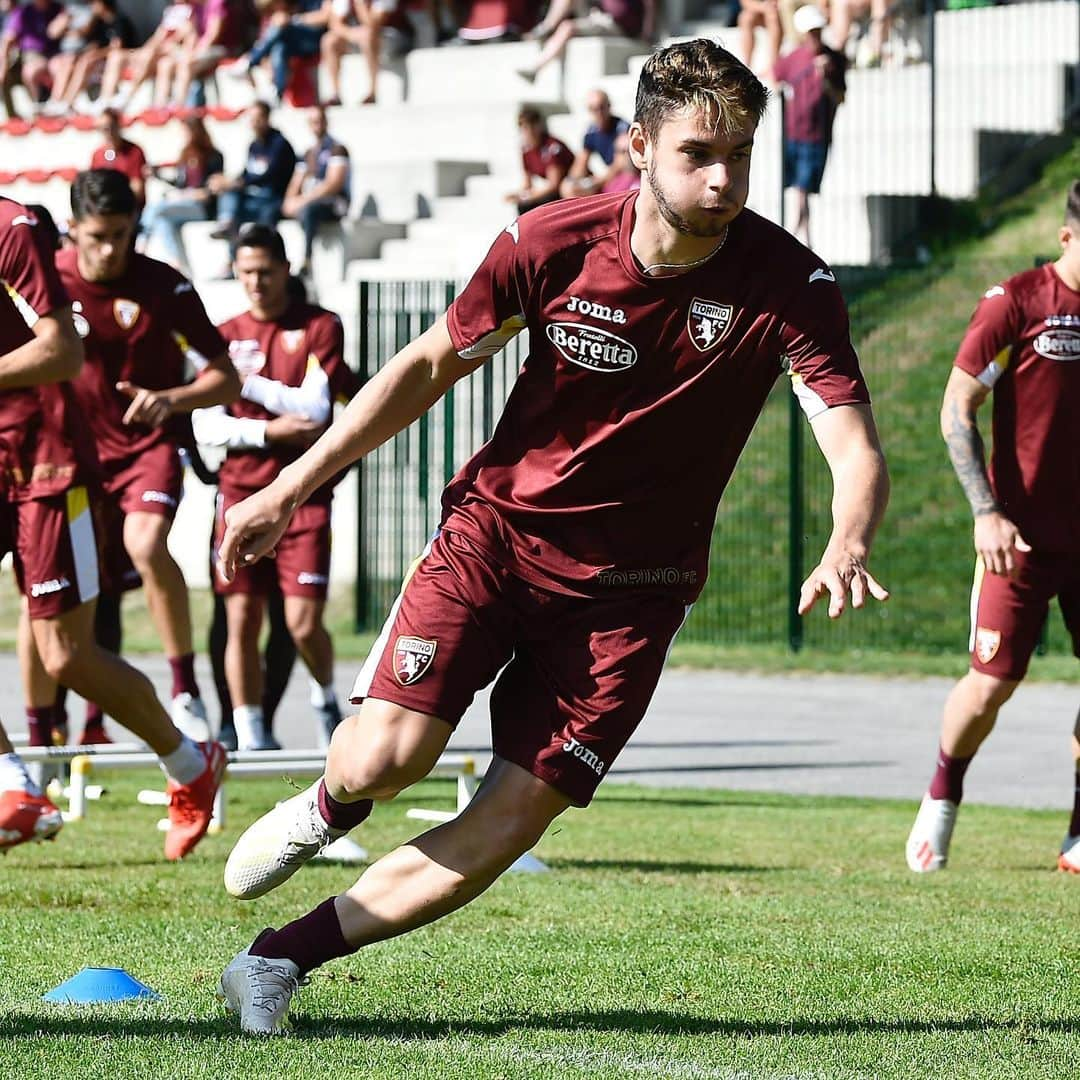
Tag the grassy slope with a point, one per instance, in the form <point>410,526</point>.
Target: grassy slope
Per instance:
<point>682,934</point>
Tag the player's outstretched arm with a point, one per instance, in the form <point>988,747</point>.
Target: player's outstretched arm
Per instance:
<point>849,442</point>
<point>55,353</point>
<point>996,537</point>
<point>412,381</point>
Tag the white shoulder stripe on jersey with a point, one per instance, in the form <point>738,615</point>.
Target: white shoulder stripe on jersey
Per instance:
<point>990,374</point>
<point>491,343</point>
<point>22,306</point>
<point>811,403</point>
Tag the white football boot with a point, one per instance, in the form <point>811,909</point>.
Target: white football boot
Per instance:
<point>1069,859</point>
<point>260,991</point>
<point>928,843</point>
<point>189,715</point>
<point>277,845</point>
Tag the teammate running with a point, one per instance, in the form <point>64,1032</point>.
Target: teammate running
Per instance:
<point>574,542</point>
<point>1022,343</point>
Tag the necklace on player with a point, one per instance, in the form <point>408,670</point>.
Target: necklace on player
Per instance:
<point>689,265</point>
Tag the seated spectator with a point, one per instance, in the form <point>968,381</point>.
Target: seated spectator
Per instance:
<point>292,29</point>
<point>383,27</point>
<point>480,21</point>
<point>842,13</point>
<point>174,31</point>
<point>600,140</point>
<point>319,190</point>
<point>31,38</point>
<point>258,192</point>
<point>625,175</point>
<point>74,72</point>
<point>344,34</point>
<point>120,154</point>
<point>764,13</point>
<point>223,28</point>
<point>190,198</point>
<point>545,160</point>
<point>599,18</point>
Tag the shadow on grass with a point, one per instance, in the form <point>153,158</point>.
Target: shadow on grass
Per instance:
<point>651,866</point>
<point>67,1022</point>
<point>746,766</point>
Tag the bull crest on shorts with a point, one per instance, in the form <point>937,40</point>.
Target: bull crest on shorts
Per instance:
<point>707,322</point>
<point>987,643</point>
<point>412,659</point>
<point>126,312</point>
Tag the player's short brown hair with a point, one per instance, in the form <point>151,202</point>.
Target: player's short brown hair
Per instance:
<point>1072,205</point>
<point>698,74</point>
<point>101,192</point>
<point>529,114</point>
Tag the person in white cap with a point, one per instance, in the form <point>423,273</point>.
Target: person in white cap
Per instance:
<point>812,75</point>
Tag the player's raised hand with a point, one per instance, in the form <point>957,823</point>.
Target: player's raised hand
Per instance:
<point>252,529</point>
<point>836,576</point>
<point>149,407</point>
<point>997,540</point>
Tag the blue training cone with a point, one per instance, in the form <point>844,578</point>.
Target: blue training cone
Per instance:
<point>96,985</point>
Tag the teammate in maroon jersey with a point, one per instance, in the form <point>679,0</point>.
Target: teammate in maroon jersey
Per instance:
<point>289,354</point>
<point>139,320</point>
<point>1022,344</point>
<point>573,543</point>
<point>45,521</point>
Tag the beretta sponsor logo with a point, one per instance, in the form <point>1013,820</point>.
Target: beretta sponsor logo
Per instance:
<point>1059,344</point>
<point>591,347</point>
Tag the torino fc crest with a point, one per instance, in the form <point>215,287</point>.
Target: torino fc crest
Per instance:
<point>987,643</point>
<point>412,658</point>
<point>126,313</point>
<point>707,322</point>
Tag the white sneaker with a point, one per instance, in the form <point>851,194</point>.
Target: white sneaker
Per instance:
<point>1069,859</point>
<point>260,990</point>
<point>239,67</point>
<point>277,845</point>
<point>928,843</point>
<point>189,715</point>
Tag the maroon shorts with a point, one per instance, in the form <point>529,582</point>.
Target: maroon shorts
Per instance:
<point>300,567</point>
<point>55,551</point>
<point>1007,614</point>
<point>153,482</point>
<point>576,674</point>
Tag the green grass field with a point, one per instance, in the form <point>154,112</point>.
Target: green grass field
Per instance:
<point>681,934</point>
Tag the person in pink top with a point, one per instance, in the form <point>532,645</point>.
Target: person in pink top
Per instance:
<point>223,32</point>
<point>572,544</point>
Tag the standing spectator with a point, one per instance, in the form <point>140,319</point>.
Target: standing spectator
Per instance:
<point>755,13</point>
<point>600,18</point>
<point>600,139</point>
<point>258,192</point>
<point>32,36</point>
<point>319,190</point>
<point>813,77</point>
<point>121,154</point>
<point>1022,345</point>
<point>293,30</point>
<point>190,198</point>
<point>544,159</point>
<point>110,30</point>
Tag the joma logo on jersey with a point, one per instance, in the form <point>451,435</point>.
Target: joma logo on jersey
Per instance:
<point>583,753</point>
<point>590,347</point>
<point>707,322</point>
<point>1058,344</point>
<point>412,659</point>
<point>597,311</point>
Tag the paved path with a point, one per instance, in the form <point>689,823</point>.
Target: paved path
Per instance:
<point>820,734</point>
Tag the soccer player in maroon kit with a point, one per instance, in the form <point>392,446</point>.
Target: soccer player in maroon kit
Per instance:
<point>139,319</point>
<point>289,354</point>
<point>45,521</point>
<point>1023,344</point>
<point>574,542</point>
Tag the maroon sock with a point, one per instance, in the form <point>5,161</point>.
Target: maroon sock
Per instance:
<point>948,781</point>
<point>1074,821</point>
<point>39,723</point>
<point>183,675</point>
<point>342,815</point>
<point>308,942</point>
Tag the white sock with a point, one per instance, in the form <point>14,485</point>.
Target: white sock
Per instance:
<point>322,696</point>
<point>250,729</point>
<point>185,764</point>
<point>14,777</point>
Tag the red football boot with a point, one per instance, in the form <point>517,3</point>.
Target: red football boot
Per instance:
<point>192,805</point>
<point>26,817</point>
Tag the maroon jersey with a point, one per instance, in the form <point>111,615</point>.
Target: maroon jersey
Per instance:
<point>1024,341</point>
<point>551,151</point>
<point>41,453</point>
<point>638,393</point>
<point>282,349</point>
<point>136,329</point>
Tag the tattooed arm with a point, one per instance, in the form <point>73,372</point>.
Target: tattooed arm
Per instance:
<point>996,537</point>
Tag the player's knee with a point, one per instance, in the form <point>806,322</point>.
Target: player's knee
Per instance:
<point>304,625</point>
<point>989,692</point>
